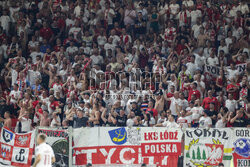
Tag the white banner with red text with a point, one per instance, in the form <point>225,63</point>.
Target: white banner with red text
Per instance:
<point>128,145</point>
<point>16,148</point>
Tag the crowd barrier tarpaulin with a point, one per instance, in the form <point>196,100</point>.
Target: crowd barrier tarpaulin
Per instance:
<point>207,147</point>
<point>241,147</point>
<point>58,139</point>
<point>16,148</point>
<point>128,145</point>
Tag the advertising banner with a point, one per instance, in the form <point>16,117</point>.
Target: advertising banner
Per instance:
<point>207,147</point>
<point>59,141</point>
<point>113,145</point>
<point>241,147</point>
<point>16,149</point>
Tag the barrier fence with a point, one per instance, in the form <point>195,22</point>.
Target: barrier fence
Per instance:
<point>131,146</point>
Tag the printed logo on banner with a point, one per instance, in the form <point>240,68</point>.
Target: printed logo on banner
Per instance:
<point>8,136</point>
<point>242,147</point>
<point>20,155</point>
<point>205,154</point>
<point>23,140</point>
<point>134,136</point>
<point>118,136</point>
<point>5,152</point>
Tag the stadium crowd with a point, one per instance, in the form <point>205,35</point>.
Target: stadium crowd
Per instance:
<point>124,63</point>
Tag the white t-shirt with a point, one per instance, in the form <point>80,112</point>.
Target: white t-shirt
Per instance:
<point>174,8</point>
<point>200,86</point>
<point>26,124</point>
<point>224,48</point>
<point>196,29</point>
<point>71,49</point>
<point>196,112</point>
<point>205,122</point>
<point>172,105</point>
<point>183,121</point>
<point>14,75</point>
<point>33,76</point>
<point>194,15</point>
<point>5,20</point>
<point>220,124</point>
<point>191,67</point>
<point>231,105</point>
<point>183,104</point>
<point>33,55</point>
<point>108,15</point>
<point>232,73</point>
<point>169,124</point>
<point>212,61</point>
<point>74,31</point>
<point>14,95</point>
<point>46,153</point>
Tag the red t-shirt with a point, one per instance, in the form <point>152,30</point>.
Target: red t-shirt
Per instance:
<point>194,92</point>
<point>54,104</point>
<point>236,93</point>
<point>155,112</point>
<point>209,100</point>
<point>46,33</point>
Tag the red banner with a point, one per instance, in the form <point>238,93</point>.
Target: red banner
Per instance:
<point>120,155</point>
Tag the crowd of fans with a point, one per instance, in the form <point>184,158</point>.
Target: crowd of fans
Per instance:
<point>124,63</point>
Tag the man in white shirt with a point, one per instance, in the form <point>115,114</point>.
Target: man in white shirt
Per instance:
<point>184,121</point>
<point>232,72</point>
<point>44,153</point>
<point>15,94</point>
<point>195,113</point>
<point>191,66</point>
<point>33,75</point>
<point>170,123</point>
<point>212,60</point>
<point>205,120</point>
<point>174,100</point>
<point>24,124</point>
<point>231,104</point>
<point>196,27</point>
<point>194,15</point>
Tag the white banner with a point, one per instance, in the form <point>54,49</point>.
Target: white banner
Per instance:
<point>207,147</point>
<point>135,145</point>
<point>214,71</point>
<point>241,147</point>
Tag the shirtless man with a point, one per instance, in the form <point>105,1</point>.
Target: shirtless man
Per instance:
<point>7,121</point>
<point>159,104</point>
<point>44,118</point>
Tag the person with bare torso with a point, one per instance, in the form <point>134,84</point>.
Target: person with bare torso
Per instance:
<point>44,118</point>
<point>6,120</point>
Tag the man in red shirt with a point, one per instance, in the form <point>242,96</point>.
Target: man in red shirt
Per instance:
<point>152,109</point>
<point>208,100</point>
<point>46,32</point>
<point>233,88</point>
<point>193,91</point>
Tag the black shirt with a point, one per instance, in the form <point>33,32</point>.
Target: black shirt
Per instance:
<point>240,122</point>
<point>80,122</point>
<point>121,121</point>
